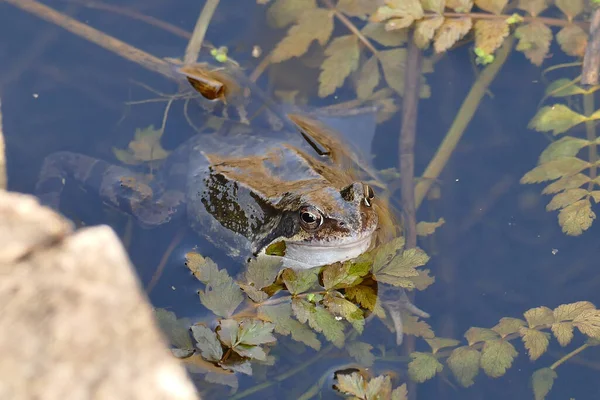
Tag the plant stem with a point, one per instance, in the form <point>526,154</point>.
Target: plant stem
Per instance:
<point>195,43</point>
<point>462,119</point>
<point>567,356</point>
<point>590,129</point>
<point>544,20</point>
<point>344,20</point>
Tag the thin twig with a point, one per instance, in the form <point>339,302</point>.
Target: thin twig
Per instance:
<point>195,43</point>
<point>476,16</point>
<point>591,60</point>
<point>163,261</point>
<point>351,27</point>
<point>3,178</point>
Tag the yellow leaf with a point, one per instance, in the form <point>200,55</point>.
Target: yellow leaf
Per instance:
<point>490,34</point>
<point>423,280</point>
<point>571,8</point>
<point>379,388</point>
<point>534,41</point>
<point>475,334</point>
<point>570,311</point>
<point>506,326</point>
<point>368,78</point>
<point>533,7</point>
<point>367,298</point>
<point>493,6</point>
<point>555,169</point>
<point>566,198</point>
<point>563,332</point>
<point>423,366</point>
<point>341,60</point>
<point>393,63</point>
<point>557,118</point>
<point>355,8</point>
<point>441,343</point>
<point>564,87</point>
<point>496,357</point>
<point>377,32</point>
<point>461,6</point>
<point>402,12</point>
<point>566,182</point>
<point>464,364</point>
<point>412,326</point>
<point>596,196</point>
<point>425,29</point>
<point>542,381</point>
<point>428,228</point>
<point>315,24</point>
<point>451,31</point>
<point>539,316</point>
<point>588,322</point>
<point>400,393</point>
<point>285,12</point>
<point>567,146</point>
<point>576,218</point>
<point>436,6</point>
<point>353,384</point>
<point>535,342</point>
<point>572,40</point>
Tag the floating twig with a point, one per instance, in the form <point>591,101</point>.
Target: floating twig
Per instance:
<point>195,43</point>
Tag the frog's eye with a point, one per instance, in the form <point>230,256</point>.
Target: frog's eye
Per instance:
<point>310,218</point>
<point>369,195</point>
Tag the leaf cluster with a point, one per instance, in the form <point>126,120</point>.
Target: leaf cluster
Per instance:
<point>361,387</point>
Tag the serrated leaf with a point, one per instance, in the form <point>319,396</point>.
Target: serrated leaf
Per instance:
<point>386,252</point>
<point>144,147</point>
<point>507,326</point>
<point>464,364</point>
<point>299,281</point>
<point>412,326</point>
<point>461,6</point>
<point>243,367</point>
<point>315,24</point>
<point>588,322</point>
<point>557,118</point>
<point>425,30</point>
<point>475,334</point>
<point>249,351</point>
<point>436,6</point>
<point>368,78</point>
<point>344,308</point>
<point>542,381</point>
<point>490,34</point>
<point>535,342</point>
<point>534,41</point>
<point>595,195</point>
<point>496,357</point>
<point>571,8</point>
<point>280,316</point>
<point>367,298</point>
<point>493,6</point>
<point>223,378</point>
<point>207,342</point>
<point>441,343</point>
<point>566,312</point>
<point>320,320</point>
<point>403,265</point>
<point>451,31</point>
<point>262,271</point>
<point>423,280</point>
<point>576,218</point>
<point>572,40</point>
<point>423,366</point>
<point>566,198</point>
<point>341,59</point>
<point>533,7</point>
<point>205,269</point>
<point>357,8</point>
<point>428,228</point>
<point>555,169</point>
<point>567,146</point>
<point>177,330</point>
<point>563,332</point>
<point>393,63</point>
<point>400,393</point>
<point>255,332</point>
<point>402,12</point>
<point>347,274</point>
<point>222,299</point>
<point>353,384</point>
<point>285,12</point>
<point>361,352</point>
<point>256,295</point>
<point>566,182</point>
<point>228,332</point>
<point>379,387</point>
<point>539,316</point>
<point>377,32</point>
<point>563,87</point>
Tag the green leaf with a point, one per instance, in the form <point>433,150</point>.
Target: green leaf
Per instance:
<point>386,252</point>
<point>423,366</point>
<point>361,352</point>
<point>207,342</point>
<point>567,146</point>
<point>441,343</point>
<point>533,7</point>
<point>566,182</point>
<point>368,78</point>
<point>588,322</point>
<point>205,269</point>
<point>285,12</point>
<point>228,332</point>
<point>262,271</point>
<point>255,332</point>
<point>144,147</point>
<point>222,299</point>
<point>348,274</point>
<point>402,12</point>
<point>342,307</point>
<point>571,8</point>
<point>249,351</point>
<point>367,298</point>
<point>352,384</point>
<point>356,8</point>
<point>539,316</point>
<point>493,6</point>
<point>566,198</point>
<point>464,364</point>
<point>299,281</point>
<point>563,332</point>
<point>563,87</point>
<point>542,381</point>
<point>508,326</point>
<point>555,169</point>
<point>436,6</point>
<point>400,393</point>
<point>177,330</point>
<point>402,266</point>
<point>534,41</point>
<point>557,118</point>
<point>313,24</point>
<point>320,320</point>
<point>475,335</point>
<point>379,388</point>
<point>276,249</point>
<point>576,218</point>
<point>535,342</point>
<point>497,356</point>
<point>377,32</point>
<point>243,367</point>
<point>280,316</point>
<point>393,63</point>
<point>341,59</point>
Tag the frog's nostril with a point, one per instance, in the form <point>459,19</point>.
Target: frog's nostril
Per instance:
<point>341,223</point>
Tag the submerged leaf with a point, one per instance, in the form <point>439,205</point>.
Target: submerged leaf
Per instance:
<point>341,59</point>
<point>425,30</point>
<point>563,332</point>
<point>576,218</point>
<point>347,274</point>
<point>555,169</point>
<point>436,6</point>
<point>533,7</point>
<point>412,326</point>
<point>177,330</point>
<point>475,334</point>
<point>451,31</point>
<point>262,271</point>
<point>490,34</point>
<point>566,312</point>
<point>423,366</point>
<point>441,343</point>
<point>314,24</point>
<point>557,118</point>
<point>400,393</point>
<point>423,280</point>
<point>563,87</point>
<point>567,146</point>
<point>493,6</point>
<point>497,356</point>
<point>320,320</point>
<point>207,342</point>
<point>572,40</point>
<point>368,78</point>
<point>342,307</point>
<point>507,326</point>
<point>566,182</point>
<point>534,41</point>
<point>461,6</point>
<point>299,281</point>
<point>571,8</point>
<point>588,322</point>
<point>361,352</point>
<point>428,228</point>
<point>367,298</point>
<point>536,342</point>
<point>566,198</point>
<point>393,63</point>
<point>143,148</point>
<point>281,316</point>
<point>222,299</point>
<point>464,364</point>
<point>285,12</point>
<point>377,32</point>
<point>542,381</point>
<point>356,8</point>
<point>205,269</point>
<point>352,384</point>
<point>402,13</point>
<point>255,332</point>
<point>539,316</point>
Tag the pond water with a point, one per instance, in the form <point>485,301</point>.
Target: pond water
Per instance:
<point>499,253</point>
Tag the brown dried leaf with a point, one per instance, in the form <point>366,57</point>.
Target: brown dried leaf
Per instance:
<point>461,6</point>
<point>571,8</point>
<point>490,34</point>
<point>425,29</point>
<point>423,280</point>
<point>341,59</point>
<point>572,40</point>
<point>368,78</point>
<point>393,62</point>
<point>533,7</point>
<point>315,24</point>
<point>534,41</point>
<point>535,342</point>
<point>451,31</point>
<point>493,6</point>
<point>285,12</point>
<point>576,218</point>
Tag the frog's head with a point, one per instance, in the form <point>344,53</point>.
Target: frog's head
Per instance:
<point>324,225</point>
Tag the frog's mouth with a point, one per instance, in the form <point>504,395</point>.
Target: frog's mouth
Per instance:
<point>305,255</point>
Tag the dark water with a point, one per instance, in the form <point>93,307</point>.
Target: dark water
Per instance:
<point>499,254</point>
